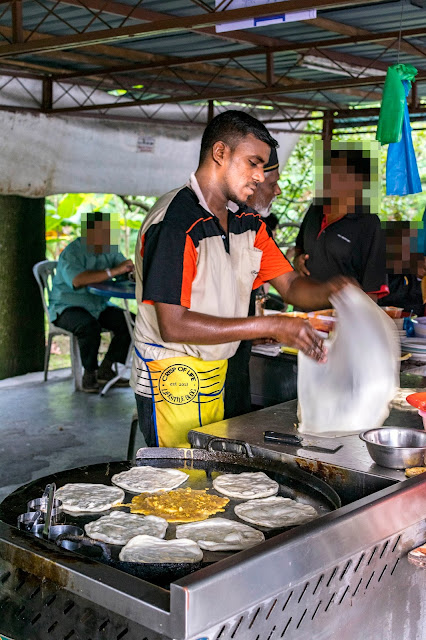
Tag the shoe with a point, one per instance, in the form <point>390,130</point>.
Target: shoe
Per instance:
<point>90,383</point>
<point>105,372</point>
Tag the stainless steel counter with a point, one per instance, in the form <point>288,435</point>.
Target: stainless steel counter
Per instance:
<point>353,454</point>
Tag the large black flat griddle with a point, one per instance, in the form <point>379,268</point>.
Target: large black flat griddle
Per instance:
<point>202,467</point>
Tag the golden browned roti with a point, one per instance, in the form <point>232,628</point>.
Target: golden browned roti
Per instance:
<point>414,471</point>
<point>181,505</point>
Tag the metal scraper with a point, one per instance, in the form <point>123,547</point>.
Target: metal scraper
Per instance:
<point>296,441</point>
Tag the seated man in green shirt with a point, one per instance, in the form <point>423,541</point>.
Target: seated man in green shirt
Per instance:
<point>89,260</point>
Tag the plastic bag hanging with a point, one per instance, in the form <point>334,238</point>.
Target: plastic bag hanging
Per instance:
<point>350,392</point>
<point>402,173</point>
<point>389,127</point>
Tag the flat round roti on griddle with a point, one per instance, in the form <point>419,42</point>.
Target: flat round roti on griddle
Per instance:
<point>119,527</point>
<point>149,479</point>
<point>246,486</point>
<point>83,497</point>
<point>275,512</point>
<point>148,549</point>
<point>219,534</point>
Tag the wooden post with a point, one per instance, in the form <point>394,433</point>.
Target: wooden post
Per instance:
<point>270,76</point>
<point>327,126</point>
<point>17,32</point>
<point>210,111</point>
<point>22,244</point>
<point>47,94</point>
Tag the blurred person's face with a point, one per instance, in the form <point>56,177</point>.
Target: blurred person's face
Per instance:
<point>342,186</point>
<point>265,193</point>
<point>400,259</point>
<point>242,168</point>
<point>98,239</point>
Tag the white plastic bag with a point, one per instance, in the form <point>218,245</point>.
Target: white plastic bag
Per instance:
<point>351,392</point>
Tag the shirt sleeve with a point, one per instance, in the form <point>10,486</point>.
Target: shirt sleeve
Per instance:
<point>116,259</point>
<point>71,263</point>
<point>373,256</point>
<point>169,265</point>
<point>273,263</point>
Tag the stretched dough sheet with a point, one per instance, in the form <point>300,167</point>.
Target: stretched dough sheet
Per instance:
<point>351,392</point>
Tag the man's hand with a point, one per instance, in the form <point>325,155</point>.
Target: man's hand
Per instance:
<point>299,264</point>
<point>124,267</point>
<point>298,333</point>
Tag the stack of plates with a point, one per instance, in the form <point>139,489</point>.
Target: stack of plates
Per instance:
<point>415,346</point>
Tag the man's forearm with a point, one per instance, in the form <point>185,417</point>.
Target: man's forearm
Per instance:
<point>92,277</point>
<point>309,294</point>
<point>178,324</point>
<point>304,293</point>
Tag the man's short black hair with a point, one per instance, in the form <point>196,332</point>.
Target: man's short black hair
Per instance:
<point>231,127</point>
<point>356,159</point>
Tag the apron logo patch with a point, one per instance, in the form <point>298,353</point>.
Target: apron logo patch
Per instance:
<point>179,384</point>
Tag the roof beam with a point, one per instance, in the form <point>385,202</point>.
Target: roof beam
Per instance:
<point>169,25</point>
<point>349,30</point>
<point>147,15</point>
<point>287,46</point>
<point>243,93</point>
<point>171,61</point>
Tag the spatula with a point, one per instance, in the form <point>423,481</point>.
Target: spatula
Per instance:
<point>296,441</point>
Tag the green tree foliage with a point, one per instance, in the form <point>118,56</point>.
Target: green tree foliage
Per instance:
<point>297,183</point>
<point>63,218</point>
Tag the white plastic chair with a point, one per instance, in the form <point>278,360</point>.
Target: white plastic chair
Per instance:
<point>43,273</point>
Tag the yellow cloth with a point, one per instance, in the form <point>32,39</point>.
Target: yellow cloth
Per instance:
<point>187,393</point>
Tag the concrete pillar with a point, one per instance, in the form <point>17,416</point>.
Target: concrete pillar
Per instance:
<point>22,244</point>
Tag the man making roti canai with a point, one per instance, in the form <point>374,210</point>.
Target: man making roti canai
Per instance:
<point>196,265</point>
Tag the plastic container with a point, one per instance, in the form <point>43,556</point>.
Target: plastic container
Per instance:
<point>393,312</point>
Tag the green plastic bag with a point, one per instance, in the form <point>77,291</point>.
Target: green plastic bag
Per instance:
<point>389,127</point>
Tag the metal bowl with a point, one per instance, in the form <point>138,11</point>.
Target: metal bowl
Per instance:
<point>396,447</point>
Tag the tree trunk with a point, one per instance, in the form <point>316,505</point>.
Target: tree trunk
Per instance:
<point>22,244</point>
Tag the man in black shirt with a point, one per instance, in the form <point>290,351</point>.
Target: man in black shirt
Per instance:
<point>338,236</point>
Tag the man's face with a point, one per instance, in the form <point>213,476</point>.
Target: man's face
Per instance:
<point>342,185</point>
<point>243,168</point>
<point>98,239</point>
<point>265,193</point>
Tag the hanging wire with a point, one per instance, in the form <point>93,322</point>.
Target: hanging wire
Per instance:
<point>400,29</point>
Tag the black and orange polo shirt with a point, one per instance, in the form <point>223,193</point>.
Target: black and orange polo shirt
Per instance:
<point>184,257</point>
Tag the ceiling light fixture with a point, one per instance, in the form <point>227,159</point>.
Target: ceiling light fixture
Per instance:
<point>319,63</point>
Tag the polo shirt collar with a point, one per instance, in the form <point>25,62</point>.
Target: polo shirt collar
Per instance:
<point>193,184</point>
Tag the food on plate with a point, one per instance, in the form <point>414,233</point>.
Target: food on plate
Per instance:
<point>219,534</point>
<point>247,485</point>
<point>181,505</point>
<point>84,497</point>
<point>400,399</point>
<point>153,550</point>
<point>275,512</point>
<point>119,527</point>
<point>414,471</point>
<point>149,479</point>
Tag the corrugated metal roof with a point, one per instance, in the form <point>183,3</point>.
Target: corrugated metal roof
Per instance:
<point>218,77</point>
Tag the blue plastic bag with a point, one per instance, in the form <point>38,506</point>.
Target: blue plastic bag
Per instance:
<point>402,174</point>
